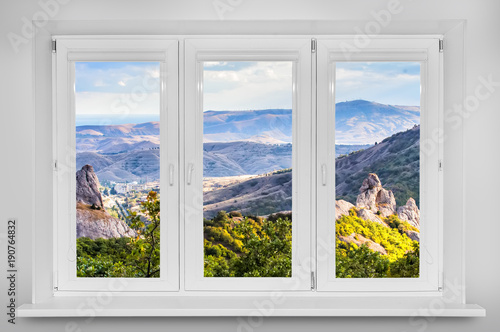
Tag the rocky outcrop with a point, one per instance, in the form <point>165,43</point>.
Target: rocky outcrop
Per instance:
<point>87,187</point>
<point>96,224</point>
<point>410,213</point>
<point>375,198</point>
<point>415,236</point>
<point>92,220</point>
<point>342,208</point>
<point>369,215</point>
<point>375,203</point>
<point>359,240</point>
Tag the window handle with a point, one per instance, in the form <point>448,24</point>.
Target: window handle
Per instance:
<point>171,174</point>
<point>190,173</point>
<point>323,174</point>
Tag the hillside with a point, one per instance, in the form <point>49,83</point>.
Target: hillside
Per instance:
<point>226,126</point>
<point>364,122</point>
<point>260,196</point>
<point>395,160</point>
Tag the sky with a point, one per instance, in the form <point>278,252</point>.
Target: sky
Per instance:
<point>132,88</point>
<point>247,85</point>
<point>117,88</point>
<point>392,83</point>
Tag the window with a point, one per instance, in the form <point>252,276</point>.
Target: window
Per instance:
<point>296,166</point>
<point>248,125</point>
<point>379,195</point>
<point>116,106</point>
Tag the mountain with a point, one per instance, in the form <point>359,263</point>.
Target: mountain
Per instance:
<point>92,220</point>
<point>236,142</point>
<point>365,122</point>
<point>226,126</point>
<point>258,196</point>
<point>124,130</point>
<point>395,160</point>
<point>240,158</point>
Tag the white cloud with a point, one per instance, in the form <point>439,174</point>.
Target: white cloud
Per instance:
<point>116,103</point>
<point>259,86</point>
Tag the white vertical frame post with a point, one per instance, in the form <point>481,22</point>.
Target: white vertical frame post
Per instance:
<point>297,51</point>
<point>154,49</point>
<point>416,49</point>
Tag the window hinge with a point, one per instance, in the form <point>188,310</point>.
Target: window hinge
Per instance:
<point>54,46</point>
<point>55,165</point>
<point>313,45</point>
<point>313,281</point>
<point>441,45</point>
<point>440,165</point>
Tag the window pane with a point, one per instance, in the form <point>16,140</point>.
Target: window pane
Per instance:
<point>247,168</point>
<point>377,151</point>
<point>118,169</point>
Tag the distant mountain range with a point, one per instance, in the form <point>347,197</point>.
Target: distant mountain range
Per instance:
<point>365,122</point>
<point>236,142</point>
<point>395,159</point>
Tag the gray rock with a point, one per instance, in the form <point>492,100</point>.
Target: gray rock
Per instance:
<point>92,220</point>
<point>342,208</point>
<point>366,214</point>
<point>415,236</point>
<point>375,198</point>
<point>410,213</point>
<point>87,187</point>
<point>359,240</point>
<point>96,224</point>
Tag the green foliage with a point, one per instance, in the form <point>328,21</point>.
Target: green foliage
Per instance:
<point>145,252</point>
<point>359,262</point>
<point>408,266</point>
<point>137,257</point>
<point>401,260</point>
<point>252,247</point>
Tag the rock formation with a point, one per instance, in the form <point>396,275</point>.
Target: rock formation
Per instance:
<point>92,220</point>
<point>342,208</point>
<point>369,215</point>
<point>375,198</point>
<point>410,213</point>
<point>359,240</point>
<point>87,187</point>
<point>375,203</point>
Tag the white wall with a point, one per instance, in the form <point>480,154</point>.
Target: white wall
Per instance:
<point>482,135</point>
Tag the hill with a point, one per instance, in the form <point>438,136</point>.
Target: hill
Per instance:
<point>365,122</point>
<point>395,160</point>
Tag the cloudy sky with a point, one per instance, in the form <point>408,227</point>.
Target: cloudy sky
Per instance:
<point>247,85</point>
<point>393,83</point>
<point>128,88</point>
<point>118,88</point>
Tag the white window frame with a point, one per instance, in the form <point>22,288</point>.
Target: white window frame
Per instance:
<point>47,302</point>
<point>69,51</point>
<point>297,51</point>
<point>426,52</point>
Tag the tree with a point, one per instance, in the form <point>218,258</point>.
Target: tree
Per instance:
<point>145,255</point>
<point>266,252</point>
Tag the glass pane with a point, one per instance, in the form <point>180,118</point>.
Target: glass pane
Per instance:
<point>118,169</point>
<point>247,169</point>
<point>377,151</point>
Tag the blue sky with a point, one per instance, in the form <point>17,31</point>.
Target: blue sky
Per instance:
<point>117,88</point>
<point>393,83</point>
<point>128,88</point>
<point>247,85</point>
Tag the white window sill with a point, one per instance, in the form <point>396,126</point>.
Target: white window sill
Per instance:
<point>140,306</point>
